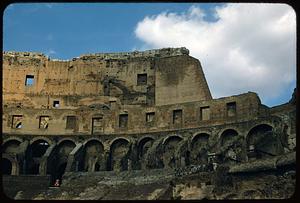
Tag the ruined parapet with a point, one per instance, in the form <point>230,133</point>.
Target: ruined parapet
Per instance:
<point>24,58</point>
<point>166,52</point>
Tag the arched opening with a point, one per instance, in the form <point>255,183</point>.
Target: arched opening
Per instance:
<point>59,162</point>
<point>34,154</point>
<point>97,167</point>
<point>227,136</point>
<point>6,166</point>
<point>119,154</point>
<point>60,170</point>
<point>93,157</point>
<point>144,145</point>
<point>261,142</point>
<point>169,156</point>
<point>11,147</point>
<point>199,147</point>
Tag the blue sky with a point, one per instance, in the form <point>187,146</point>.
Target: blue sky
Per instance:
<point>70,30</point>
<point>64,31</point>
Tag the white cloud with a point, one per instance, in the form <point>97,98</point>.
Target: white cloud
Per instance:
<point>251,47</point>
<point>50,52</point>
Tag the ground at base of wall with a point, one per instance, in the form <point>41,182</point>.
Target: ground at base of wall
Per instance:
<point>160,184</point>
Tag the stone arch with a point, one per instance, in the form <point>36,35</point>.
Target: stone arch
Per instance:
<point>93,156</point>
<point>169,150</point>
<point>12,138</point>
<point>199,148</point>
<point>66,139</point>
<point>49,141</point>
<point>202,137</point>
<point>261,142</point>
<point>6,166</point>
<point>10,165</point>
<point>143,146</point>
<point>92,139</point>
<point>166,139</point>
<point>11,146</point>
<point>119,154</point>
<point>60,158</point>
<point>34,154</point>
<point>226,136</point>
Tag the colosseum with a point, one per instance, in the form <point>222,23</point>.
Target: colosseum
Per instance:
<point>138,125</point>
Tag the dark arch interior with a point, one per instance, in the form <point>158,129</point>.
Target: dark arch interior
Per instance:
<point>257,131</point>
<point>200,140</point>
<point>227,136</point>
<point>260,142</point>
<point>118,155</point>
<point>93,150</point>
<point>144,145</point>
<point>38,148</point>
<point>170,146</point>
<point>35,151</point>
<point>11,146</point>
<point>58,164</point>
<point>6,166</point>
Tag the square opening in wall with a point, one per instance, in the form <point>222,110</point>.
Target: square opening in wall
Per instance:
<point>142,79</point>
<point>71,122</point>
<point>17,121</point>
<point>44,122</point>
<point>177,116</point>
<point>29,80</point>
<point>150,116</point>
<point>123,120</point>
<point>231,109</point>
<point>204,113</point>
<point>55,104</point>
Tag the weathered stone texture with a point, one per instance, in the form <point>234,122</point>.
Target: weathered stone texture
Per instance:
<point>143,117</point>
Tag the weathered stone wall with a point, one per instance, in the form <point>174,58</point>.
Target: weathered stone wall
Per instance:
<point>88,76</point>
<point>180,79</point>
<point>247,108</point>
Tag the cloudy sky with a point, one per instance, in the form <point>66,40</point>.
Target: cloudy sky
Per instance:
<point>242,47</point>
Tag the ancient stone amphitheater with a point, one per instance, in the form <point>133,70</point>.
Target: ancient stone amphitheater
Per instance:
<point>138,125</point>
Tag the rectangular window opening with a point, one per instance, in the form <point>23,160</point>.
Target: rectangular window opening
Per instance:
<point>71,122</point>
<point>97,124</point>
<point>177,116</point>
<point>44,122</point>
<point>123,120</point>
<point>204,113</point>
<point>55,104</point>
<point>142,79</point>
<point>17,121</point>
<point>29,80</point>
<point>150,117</point>
<point>231,109</point>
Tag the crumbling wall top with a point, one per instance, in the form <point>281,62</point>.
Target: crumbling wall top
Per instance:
<point>24,54</point>
<point>165,52</point>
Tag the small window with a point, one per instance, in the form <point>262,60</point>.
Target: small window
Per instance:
<point>142,79</point>
<point>55,104</point>
<point>71,122</point>
<point>177,116</point>
<point>204,113</point>
<point>123,120</point>
<point>44,122</point>
<point>29,80</point>
<point>17,121</point>
<point>231,109</point>
<point>150,117</point>
<point>97,124</point>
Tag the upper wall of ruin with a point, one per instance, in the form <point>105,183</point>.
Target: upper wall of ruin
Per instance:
<point>154,77</point>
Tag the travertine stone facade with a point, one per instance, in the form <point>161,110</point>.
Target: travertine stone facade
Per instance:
<point>130,111</point>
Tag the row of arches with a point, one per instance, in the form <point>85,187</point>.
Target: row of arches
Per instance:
<point>170,152</point>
